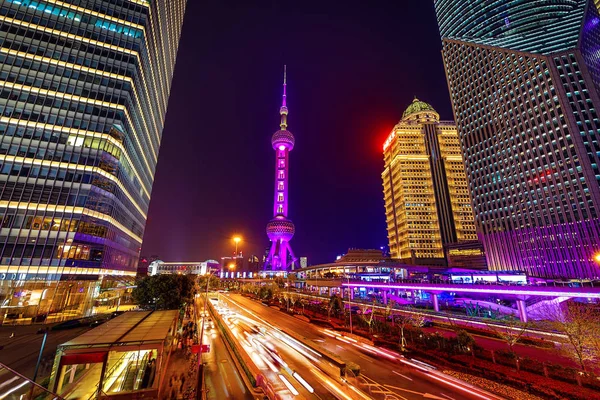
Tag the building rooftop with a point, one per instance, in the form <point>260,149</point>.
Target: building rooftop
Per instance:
<point>132,326</point>
<point>417,106</point>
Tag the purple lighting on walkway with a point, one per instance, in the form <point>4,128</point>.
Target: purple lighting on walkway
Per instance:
<point>506,290</point>
<point>280,229</point>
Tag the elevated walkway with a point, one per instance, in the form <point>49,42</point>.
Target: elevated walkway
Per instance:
<point>504,290</point>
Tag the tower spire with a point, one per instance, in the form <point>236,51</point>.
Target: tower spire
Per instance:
<point>283,111</point>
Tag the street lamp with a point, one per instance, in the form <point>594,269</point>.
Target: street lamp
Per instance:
<point>597,257</point>
<point>236,240</point>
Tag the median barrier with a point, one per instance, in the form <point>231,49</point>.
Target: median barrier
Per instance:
<point>251,374</point>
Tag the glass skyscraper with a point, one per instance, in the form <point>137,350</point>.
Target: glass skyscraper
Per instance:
<point>524,80</point>
<point>84,87</point>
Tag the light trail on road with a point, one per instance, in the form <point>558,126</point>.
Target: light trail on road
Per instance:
<point>291,368</point>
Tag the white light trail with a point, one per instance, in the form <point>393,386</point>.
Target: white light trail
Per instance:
<point>303,382</point>
<point>289,385</point>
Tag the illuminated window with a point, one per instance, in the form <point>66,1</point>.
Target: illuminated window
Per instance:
<point>281,163</point>
<point>280,209</point>
<point>280,186</point>
<point>281,175</point>
<point>280,197</point>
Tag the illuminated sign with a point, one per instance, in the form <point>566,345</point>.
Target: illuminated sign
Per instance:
<point>389,140</point>
<point>465,252</point>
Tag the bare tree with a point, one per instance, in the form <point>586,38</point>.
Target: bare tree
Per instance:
<point>364,308</point>
<point>510,330</point>
<point>580,323</point>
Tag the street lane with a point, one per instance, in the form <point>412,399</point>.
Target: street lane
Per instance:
<point>380,374</point>
<point>222,379</point>
<point>290,368</point>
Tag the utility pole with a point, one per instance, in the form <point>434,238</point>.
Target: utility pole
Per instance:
<point>349,304</point>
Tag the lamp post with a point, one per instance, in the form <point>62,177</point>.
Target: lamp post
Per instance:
<point>349,304</point>
<point>236,240</point>
<point>200,386</point>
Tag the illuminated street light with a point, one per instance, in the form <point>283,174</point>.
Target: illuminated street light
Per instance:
<point>232,266</point>
<point>597,257</point>
<point>236,240</point>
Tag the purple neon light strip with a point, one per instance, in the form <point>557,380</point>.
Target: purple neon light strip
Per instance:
<point>590,292</point>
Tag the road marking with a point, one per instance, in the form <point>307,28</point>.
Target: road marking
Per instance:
<point>365,358</point>
<point>404,376</point>
<point>337,345</point>
<point>448,397</point>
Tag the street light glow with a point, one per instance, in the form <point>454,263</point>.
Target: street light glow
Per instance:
<point>237,239</point>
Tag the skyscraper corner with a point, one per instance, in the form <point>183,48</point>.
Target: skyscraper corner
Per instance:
<point>84,93</point>
<point>524,81</point>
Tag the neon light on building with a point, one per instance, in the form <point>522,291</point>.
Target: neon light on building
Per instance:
<point>280,229</point>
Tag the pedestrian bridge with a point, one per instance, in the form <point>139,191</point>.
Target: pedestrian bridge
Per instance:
<point>531,301</point>
<point>513,291</point>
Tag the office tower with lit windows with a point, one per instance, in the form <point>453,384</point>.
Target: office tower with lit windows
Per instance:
<point>84,87</point>
<point>524,81</point>
<point>426,197</point>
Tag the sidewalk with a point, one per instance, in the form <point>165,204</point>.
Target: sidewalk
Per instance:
<point>178,380</point>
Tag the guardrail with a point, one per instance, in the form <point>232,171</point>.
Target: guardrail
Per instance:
<point>250,372</point>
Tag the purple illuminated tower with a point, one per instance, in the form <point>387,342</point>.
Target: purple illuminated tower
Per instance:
<point>280,229</point>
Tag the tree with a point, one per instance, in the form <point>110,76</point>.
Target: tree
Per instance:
<point>465,340</point>
<point>580,324</point>
<point>164,292</point>
<point>368,319</point>
<point>389,308</point>
<point>335,304</point>
<point>510,330</point>
<point>214,282</point>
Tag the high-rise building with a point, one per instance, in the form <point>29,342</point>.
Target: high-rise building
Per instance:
<point>84,92</point>
<point>524,81</point>
<point>280,229</point>
<point>427,201</point>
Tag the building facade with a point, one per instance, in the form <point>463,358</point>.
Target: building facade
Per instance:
<point>524,78</point>
<point>84,87</point>
<point>425,189</point>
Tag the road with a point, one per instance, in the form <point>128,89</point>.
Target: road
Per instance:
<point>286,368</point>
<point>222,379</point>
<point>382,376</point>
<point>21,352</point>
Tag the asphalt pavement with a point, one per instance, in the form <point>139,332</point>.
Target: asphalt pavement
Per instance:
<point>222,379</point>
<point>380,376</point>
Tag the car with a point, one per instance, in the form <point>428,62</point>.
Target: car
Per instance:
<point>97,323</point>
<point>427,323</point>
<point>74,323</point>
<point>116,313</point>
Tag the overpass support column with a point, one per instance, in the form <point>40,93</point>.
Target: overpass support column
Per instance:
<point>436,302</point>
<point>385,297</point>
<point>522,307</point>
<point>330,291</point>
<point>351,289</point>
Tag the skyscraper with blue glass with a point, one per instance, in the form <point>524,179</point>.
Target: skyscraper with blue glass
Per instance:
<point>524,81</point>
<point>84,87</point>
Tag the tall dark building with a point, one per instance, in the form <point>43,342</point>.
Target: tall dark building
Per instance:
<point>84,91</point>
<point>524,80</point>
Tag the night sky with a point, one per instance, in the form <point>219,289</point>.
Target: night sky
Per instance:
<point>353,67</point>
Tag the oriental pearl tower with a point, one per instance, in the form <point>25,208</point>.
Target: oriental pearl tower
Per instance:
<point>280,229</point>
